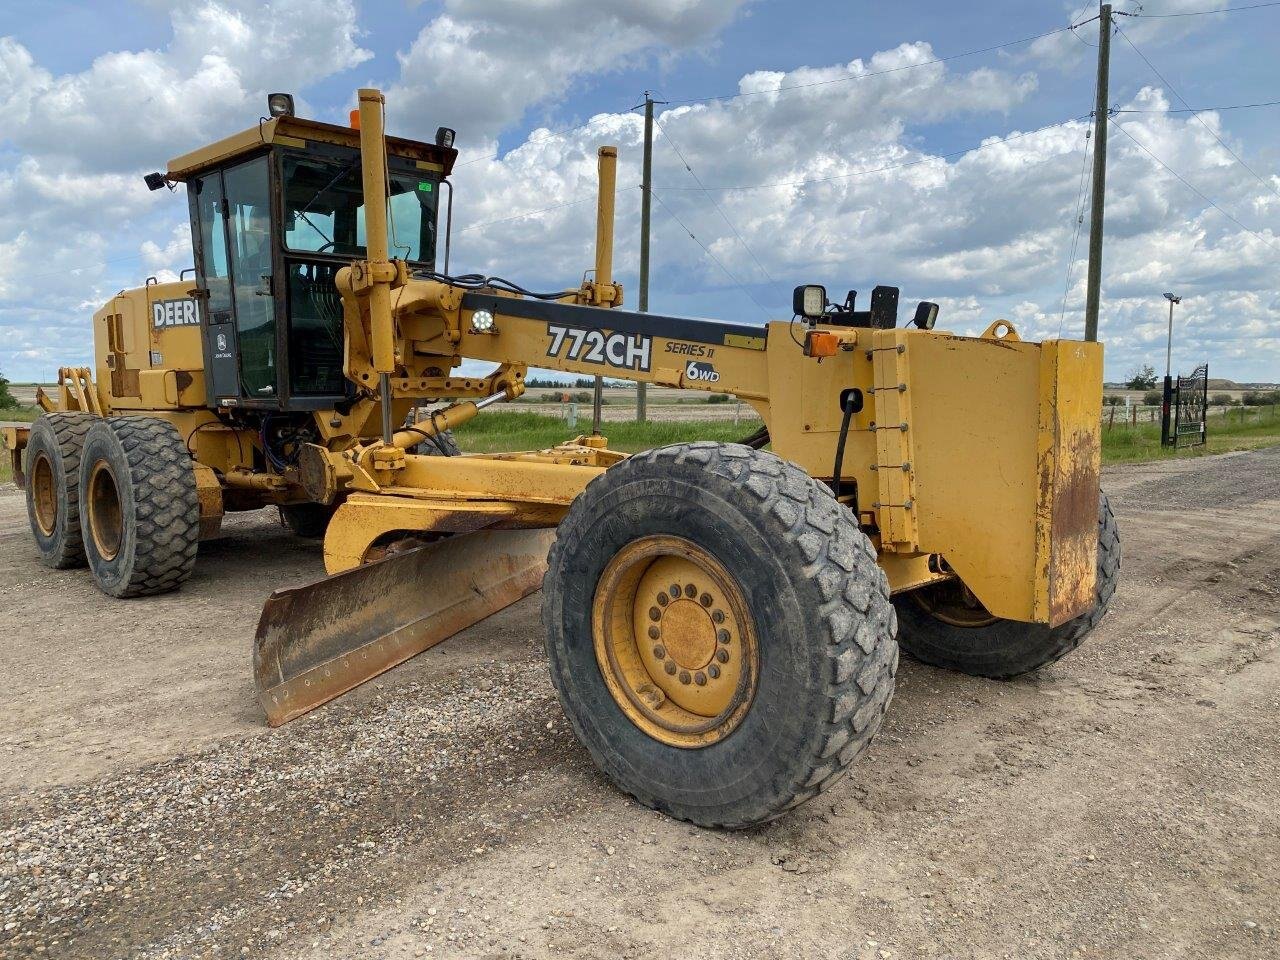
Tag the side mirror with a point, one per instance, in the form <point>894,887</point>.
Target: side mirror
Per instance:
<point>926,315</point>
<point>809,301</point>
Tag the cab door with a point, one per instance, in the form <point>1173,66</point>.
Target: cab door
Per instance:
<point>231,214</point>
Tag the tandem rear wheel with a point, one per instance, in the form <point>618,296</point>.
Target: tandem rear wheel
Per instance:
<point>53,486</point>
<point>138,506</point>
<point>719,632</point>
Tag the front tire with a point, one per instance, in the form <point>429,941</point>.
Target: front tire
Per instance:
<point>1004,649</point>
<point>140,507</point>
<point>768,667</point>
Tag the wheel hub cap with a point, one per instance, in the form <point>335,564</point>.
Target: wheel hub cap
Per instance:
<point>674,641</point>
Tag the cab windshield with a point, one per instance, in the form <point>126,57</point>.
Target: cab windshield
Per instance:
<point>323,207</point>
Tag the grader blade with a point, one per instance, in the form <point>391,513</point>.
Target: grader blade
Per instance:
<point>318,641</point>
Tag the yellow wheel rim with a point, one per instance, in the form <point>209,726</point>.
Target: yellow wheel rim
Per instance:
<point>106,516</point>
<point>675,641</point>
<point>953,603</point>
<point>44,494</point>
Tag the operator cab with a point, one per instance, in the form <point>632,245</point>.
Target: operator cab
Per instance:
<point>276,211</point>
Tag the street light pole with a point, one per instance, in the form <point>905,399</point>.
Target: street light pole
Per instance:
<point>1168,376</point>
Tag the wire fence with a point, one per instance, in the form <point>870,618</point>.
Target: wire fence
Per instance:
<point>1118,416</point>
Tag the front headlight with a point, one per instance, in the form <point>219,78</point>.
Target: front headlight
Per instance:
<point>482,322</point>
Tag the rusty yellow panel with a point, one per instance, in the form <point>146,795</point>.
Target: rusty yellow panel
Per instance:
<point>804,424</point>
<point>290,141</point>
<point>428,165</point>
<point>1069,470</point>
<point>972,408</point>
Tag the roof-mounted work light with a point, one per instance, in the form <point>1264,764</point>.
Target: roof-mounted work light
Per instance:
<point>280,104</point>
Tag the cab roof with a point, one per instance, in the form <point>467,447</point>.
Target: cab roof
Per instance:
<point>296,132</point>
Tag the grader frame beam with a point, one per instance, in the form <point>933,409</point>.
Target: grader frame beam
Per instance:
<point>968,456</point>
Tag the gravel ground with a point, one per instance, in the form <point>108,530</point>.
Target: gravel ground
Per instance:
<point>1121,803</point>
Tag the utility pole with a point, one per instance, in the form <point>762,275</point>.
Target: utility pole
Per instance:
<point>646,205</point>
<point>1094,285</point>
<point>1167,404</point>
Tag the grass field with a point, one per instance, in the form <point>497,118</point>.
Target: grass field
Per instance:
<point>1242,428</point>
<point>508,430</point>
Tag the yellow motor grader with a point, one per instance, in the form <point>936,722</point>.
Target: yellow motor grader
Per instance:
<point>722,620</point>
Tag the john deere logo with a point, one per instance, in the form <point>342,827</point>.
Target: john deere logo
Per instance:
<point>222,341</point>
<point>174,313</point>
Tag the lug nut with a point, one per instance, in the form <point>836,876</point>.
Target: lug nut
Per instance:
<point>655,613</point>
<point>705,599</point>
<point>654,633</point>
<point>690,591</point>
<point>670,667</point>
<point>722,636</point>
<point>659,652</point>
<point>684,676</point>
<point>714,672</point>
<point>718,616</point>
<point>700,678</point>
<point>722,655</point>
<point>662,599</point>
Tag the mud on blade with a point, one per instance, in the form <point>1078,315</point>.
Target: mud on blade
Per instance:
<point>318,641</point>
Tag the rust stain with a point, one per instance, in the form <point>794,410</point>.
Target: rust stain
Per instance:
<point>1074,526</point>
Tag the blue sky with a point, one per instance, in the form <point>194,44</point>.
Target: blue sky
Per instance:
<point>99,93</point>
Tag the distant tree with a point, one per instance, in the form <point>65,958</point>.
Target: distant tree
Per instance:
<point>1153,398</point>
<point>1143,379</point>
<point>1221,400</point>
<point>718,398</point>
<point>1111,400</point>
<point>1261,398</point>
<point>7,399</point>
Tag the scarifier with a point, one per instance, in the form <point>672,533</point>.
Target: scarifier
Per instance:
<point>722,620</point>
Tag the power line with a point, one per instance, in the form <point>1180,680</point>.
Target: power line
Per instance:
<point>1234,106</point>
<point>713,200</point>
<point>1192,187</point>
<point>1197,116</point>
<point>707,250</point>
<point>1079,215</point>
<point>1203,13</point>
<point>880,73</point>
<point>896,166</point>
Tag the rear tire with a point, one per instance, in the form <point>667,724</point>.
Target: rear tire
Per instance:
<point>140,507</point>
<point>53,485</point>
<point>784,568</point>
<point>1006,649</point>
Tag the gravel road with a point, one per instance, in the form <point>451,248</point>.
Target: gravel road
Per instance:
<point>1122,803</point>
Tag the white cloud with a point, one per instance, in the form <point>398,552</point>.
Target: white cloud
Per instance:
<point>135,109</point>
<point>482,63</point>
